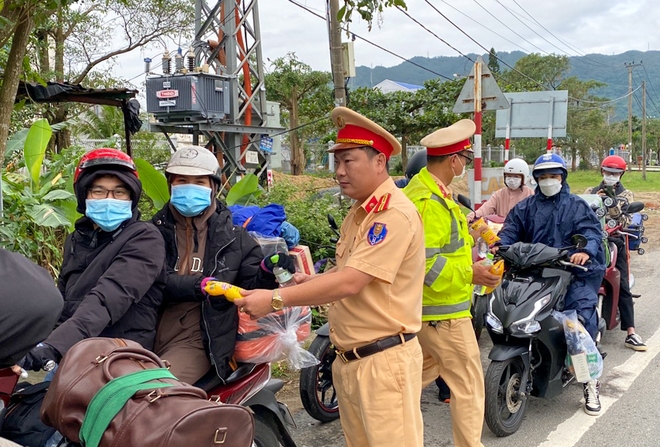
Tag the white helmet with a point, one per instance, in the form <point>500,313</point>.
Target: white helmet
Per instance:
<point>517,166</point>
<point>195,161</point>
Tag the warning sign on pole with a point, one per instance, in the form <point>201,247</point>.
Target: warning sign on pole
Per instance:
<point>492,97</point>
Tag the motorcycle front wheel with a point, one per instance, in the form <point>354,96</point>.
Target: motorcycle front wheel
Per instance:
<point>317,391</point>
<point>505,408</point>
<point>265,431</point>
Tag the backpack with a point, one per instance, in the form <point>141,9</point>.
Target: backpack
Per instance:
<point>22,423</point>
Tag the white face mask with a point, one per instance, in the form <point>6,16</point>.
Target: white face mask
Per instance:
<point>462,174</point>
<point>513,182</point>
<point>611,180</point>
<point>550,186</point>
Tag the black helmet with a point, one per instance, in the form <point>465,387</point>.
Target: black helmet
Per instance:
<point>416,163</point>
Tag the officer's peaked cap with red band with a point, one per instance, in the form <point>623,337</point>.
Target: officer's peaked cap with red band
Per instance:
<point>450,140</point>
<point>354,130</point>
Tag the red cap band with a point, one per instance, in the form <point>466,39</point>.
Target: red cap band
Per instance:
<point>451,149</point>
<point>358,135</point>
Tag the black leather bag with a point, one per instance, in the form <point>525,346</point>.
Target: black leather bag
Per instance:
<point>22,422</point>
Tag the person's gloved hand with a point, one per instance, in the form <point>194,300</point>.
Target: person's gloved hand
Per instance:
<point>37,358</point>
<point>202,285</point>
<point>280,259</point>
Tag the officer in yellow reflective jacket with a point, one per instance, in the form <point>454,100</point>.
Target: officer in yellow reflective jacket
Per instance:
<point>448,343</point>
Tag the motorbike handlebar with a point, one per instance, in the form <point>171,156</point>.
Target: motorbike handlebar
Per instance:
<point>570,264</point>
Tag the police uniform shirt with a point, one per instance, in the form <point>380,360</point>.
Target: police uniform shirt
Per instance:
<point>382,237</point>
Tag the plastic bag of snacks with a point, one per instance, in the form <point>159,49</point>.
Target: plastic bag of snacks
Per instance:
<point>276,336</point>
<point>583,358</point>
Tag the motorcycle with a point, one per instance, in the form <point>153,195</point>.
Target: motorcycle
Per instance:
<point>621,216</point>
<point>250,385</point>
<point>608,294</point>
<point>529,348</point>
<point>317,391</point>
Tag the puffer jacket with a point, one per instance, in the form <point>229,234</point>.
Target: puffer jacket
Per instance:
<point>112,284</point>
<point>231,255</point>
<point>553,221</point>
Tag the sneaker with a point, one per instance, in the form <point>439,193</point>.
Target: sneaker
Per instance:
<point>634,342</point>
<point>592,397</point>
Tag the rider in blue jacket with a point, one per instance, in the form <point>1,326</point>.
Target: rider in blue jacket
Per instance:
<point>552,216</point>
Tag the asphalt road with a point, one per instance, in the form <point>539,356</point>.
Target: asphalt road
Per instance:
<point>629,394</point>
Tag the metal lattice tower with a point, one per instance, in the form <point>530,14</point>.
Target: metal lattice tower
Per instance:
<point>228,39</point>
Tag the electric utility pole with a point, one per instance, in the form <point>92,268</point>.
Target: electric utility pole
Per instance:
<point>630,67</point>
<point>336,56</point>
<point>644,130</point>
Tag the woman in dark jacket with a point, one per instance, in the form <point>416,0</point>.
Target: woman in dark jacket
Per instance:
<point>201,242</point>
<point>112,275</point>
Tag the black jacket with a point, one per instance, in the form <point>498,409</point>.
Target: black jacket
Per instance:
<point>231,255</point>
<point>29,306</point>
<point>112,284</point>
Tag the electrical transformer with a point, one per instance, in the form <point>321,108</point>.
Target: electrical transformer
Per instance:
<point>190,97</point>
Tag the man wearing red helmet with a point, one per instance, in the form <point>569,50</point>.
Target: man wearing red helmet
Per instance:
<point>111,276</point>
<point>612,168</point>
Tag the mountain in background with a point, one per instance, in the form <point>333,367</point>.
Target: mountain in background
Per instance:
<point>608,69</point>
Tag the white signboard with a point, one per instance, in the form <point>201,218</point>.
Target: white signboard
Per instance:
<point>252,157</point>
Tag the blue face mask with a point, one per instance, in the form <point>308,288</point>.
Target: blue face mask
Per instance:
<point>108,213</point>
<point>190,200</point>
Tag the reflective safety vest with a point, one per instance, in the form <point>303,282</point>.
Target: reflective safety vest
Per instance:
<point>448,280</point>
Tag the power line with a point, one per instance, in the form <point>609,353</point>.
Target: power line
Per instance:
<point>652,88</point>
<point>556,37</point>
<point>509,28</point>
<point>374,44</point>
<point>480,45</point>
<point>515,16</point>
<point>434,34</point>
<point>482,25</point>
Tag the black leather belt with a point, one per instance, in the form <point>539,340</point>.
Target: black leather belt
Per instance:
<point>373,348</point>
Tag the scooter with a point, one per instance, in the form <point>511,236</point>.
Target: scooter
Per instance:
<point>317,391</point>
<point>608,294</point>
<point>8,381</point>
<point>529,348</point>
<point>252,386</point>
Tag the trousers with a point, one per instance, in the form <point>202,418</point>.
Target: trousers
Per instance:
<point>379,397</point>
<point>626,309</point>
<point>450,350</point>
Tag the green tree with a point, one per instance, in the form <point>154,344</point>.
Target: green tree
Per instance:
<point>367,9</point>
<point>493,63</point>
<point>17,20</point>
<point>304,94</point>
<point>536,73</point>
<point>410,115</point>
<point>82,54</point>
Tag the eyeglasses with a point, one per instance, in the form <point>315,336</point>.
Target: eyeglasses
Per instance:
<point>470,160</point>
<point>99,192</point>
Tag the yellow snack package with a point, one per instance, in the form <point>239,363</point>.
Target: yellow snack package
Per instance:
<point>217,288</point>
<point>496,269</point>
<point>488,234</point>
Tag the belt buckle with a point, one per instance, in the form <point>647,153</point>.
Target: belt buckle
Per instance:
<point>342,356</point>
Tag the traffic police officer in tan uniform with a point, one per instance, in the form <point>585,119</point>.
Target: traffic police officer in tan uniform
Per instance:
<point>375,291</point>
<point>448,343</point>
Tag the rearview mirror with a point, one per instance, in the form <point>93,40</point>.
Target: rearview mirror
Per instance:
<point>467,203</point>
<point>579,241</point>
<point>633,207</point>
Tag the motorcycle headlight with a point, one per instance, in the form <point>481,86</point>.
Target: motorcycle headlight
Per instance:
<point>494,323</point>
<point>491,320</point>
<point>528,325</point>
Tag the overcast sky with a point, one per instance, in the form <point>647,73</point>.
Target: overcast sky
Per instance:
<point>579,27</point>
